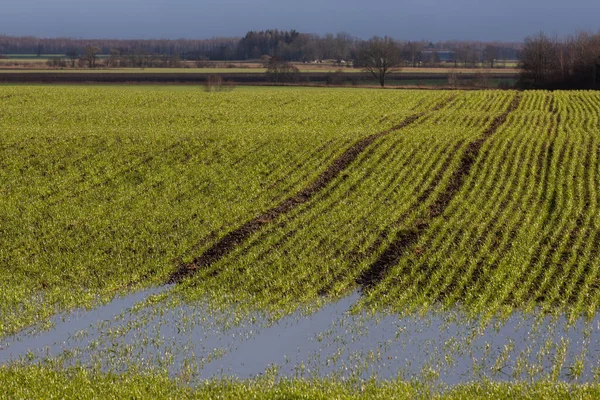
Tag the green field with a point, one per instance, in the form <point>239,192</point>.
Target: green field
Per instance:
<point>103,158</point>
<point>28,58</point>
<point>31,56</point>
<point>262,200</point>
<point>38,383</point>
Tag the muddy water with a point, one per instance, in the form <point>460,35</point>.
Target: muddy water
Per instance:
<point>193,342</point>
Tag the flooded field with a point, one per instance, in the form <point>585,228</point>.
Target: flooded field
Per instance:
<point>152,330</point>
<point>406,238</point>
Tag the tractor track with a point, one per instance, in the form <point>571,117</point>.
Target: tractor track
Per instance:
<point>406,238</point>
<point>236,237</point>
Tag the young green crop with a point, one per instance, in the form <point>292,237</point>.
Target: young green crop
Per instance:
<point>487,200</point>
<point>106,190</point>
<point>40,382</point>
<point>109,190</point>
<point>325,245</point>
<point>523,229</point>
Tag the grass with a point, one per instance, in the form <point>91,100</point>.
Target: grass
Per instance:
<point>143,70</point>
<point>39,382</point>
<point>29,56</point>
<point>166,87</point>
<point>522,231</point>
<point>304,255</point>
<point>81,177</point>
<point>13,61</point>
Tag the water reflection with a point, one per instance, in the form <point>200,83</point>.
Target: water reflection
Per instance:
<point>194,342</point>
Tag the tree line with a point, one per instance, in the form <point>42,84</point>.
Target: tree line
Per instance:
<point>545,62</point>
<point>552,63</point>
<point>285,45</point>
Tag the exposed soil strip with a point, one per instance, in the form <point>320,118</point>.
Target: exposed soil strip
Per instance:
<point>326,193</point>
<point>405,238</point>
<point>239,235</point>
<point>361,256</point>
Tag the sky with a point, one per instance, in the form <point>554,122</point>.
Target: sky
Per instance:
<point>489,20</point>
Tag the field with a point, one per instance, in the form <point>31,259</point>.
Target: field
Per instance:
<point>35,63</point>
<point>407,213</point>
<point>33,69</point>
<point>257,70</point>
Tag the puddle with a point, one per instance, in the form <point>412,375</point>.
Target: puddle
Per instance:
<point>66,325</point>
<point>195,343</point>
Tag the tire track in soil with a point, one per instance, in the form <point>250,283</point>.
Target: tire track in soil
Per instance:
<point>328,192</point>
<point>325,193</point>
<point>236,237</point>
<point>399,221</point>
<point>408,237</point>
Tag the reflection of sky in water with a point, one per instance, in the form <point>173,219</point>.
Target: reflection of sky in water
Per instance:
<point>192,342</point>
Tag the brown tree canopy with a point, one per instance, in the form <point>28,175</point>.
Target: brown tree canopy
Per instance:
<point>280,71</point>
<point>287,45</point>
<point>539,59</point>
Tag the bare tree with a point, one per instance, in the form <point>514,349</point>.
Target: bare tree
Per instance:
<point>584,50</point>
<point>215,83</point>
<point>279,71</point>
<point>414,51</point>
<point>453,79</point>
<point>73,55</point>
<point>90,55</point>
<point>490,54</point>
<point>56,62</point>
<point>571,63</point>
<point>466,53</point>
<point>597,72</point>
<point>380,57</point>
<point>343,42</point>
<point>114,58</point>
<point>539,61</point>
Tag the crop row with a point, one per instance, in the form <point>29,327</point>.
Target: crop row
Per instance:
<point>477,203</point>
<point>324,246</point>
<point>523,231</point>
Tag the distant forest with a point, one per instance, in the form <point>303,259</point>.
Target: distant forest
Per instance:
<point>545,62</point>
<point>286,45</point>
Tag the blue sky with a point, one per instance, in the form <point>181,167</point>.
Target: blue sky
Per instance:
<point>507,20</point>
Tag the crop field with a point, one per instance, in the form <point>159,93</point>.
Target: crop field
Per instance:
<point>200,225</point>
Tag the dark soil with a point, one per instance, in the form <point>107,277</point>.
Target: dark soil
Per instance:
<point>236,237</point>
